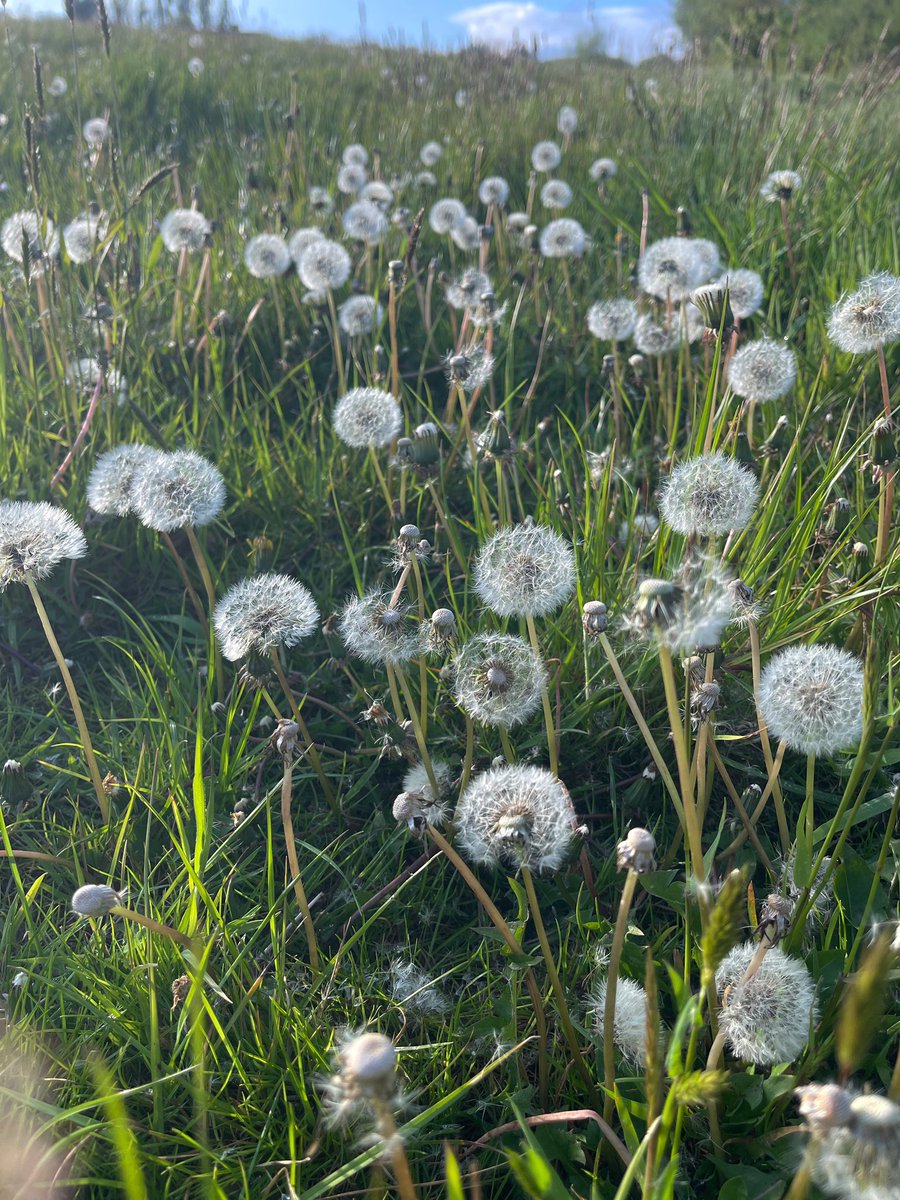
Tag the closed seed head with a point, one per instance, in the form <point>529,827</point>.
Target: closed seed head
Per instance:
<point>376,632</point>
<point>178,489</point>
<point>110,485</point>
<point>525,570</point>
<point>34,537</point>
<point>324,265</point>
<point>762,371</point>
<point>184,229</point>
<point>518,815</point>
<point>766,1020</point>
<point>811,697</point>
<point>366,417</point>
<point>869,317</point>
<point>637,852</point>
<point>267,255</point>
<point>498,679</point>
<point>263,612</point>
<point>612,320</point>
<point>95,900</point>
<point>709,494</point>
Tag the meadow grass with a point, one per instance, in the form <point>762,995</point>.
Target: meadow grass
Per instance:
<point>133,1064</point>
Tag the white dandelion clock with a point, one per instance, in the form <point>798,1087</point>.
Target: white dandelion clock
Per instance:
<point>178,489</point>
<point>365,222</point>
<point>416,780</point>
<point>31,229</point>
<point>196,67</point>
<point>780,185</point>
<point>745,291</point>
<point>466,234</point>
<point>654,337</point>
<point>324,265</point>
<point>34,538</point>
<point>301,239</point>
<point>267,256</point>
<point>525,570</point>
<point>629,1018</point>
<point>687,613</point>
<point>95,131</point>
<point>184,229</point>
<point>762,371</point>
<point>111,482</point>
<point>855,1142</point>
<point>262,613</point>
<point>517,815</point>
<point>467,291</point>
<point>351,178</point>
<point>811,698</point>
<point>602,169</point>
<point>83,236</point>
<point>493,190</point>
<point>869,317</point>
<point>498,679</point>
<point>366,417</point>
<point>430,154</point>
<point>708,256</point>
<point>57,87</point>
<point>672,268</point>
<point>556,193</point>
<point>445,213</point>
<point>85,373</point>
<point>612,320</point>
<point>360,315</point>
<point>377,193</point>
<point>567,120</point>
<point>709,494</point>
<point>365,1083</point>
<point>355,154</point>
<point>767,1019</point>
<point>563,238</point>
<point>378,632</point>
<point>546,156</point>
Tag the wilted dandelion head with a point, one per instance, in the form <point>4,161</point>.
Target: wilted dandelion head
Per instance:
<point>856,1142</point>
<point>602,169</point>
<point>324,265</point>
<point>264,612</point>
<point>267,255</point>
<point>567,119</point>
<point>111,483</point>
<point>359,315</point>
<point>351,178</point>
<point>525,570</point>
<point>416,781</point>
<point>178,489</point>
<point>445,213</point>
<point>563,238</point>
<point>687,613</point>
<point>498,679</point>
<point>472,368</point>
<point>365,1078</point>
<point>556,193</point>
<point>366,417</point>
<point>672,267</point>
<point>365,222</point>
<point>546,156</point>
<point>762,371</point>
<point>811,697</point>
<point>767,1019</point>
<point>34,537</point>
<point>33,229</point>
<point>466,291</point>
<point>745,291</point>
<point>430,154</point>
<point>516,815</point>
<point>95,131</point>
<point>493,190</point>
<point>869,317</point>
<point>82,236</point>
<point>629,1018</point>
<point>780,185</point>
<point>466,234</point>
<point>184,229</point>
<point>378,632</point>
<point>95,900</point>
<point>656,337</point>
<point>709,494</point>
<point>612,320</point>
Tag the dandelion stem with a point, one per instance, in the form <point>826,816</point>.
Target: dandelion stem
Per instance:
<point>692,828</point>
<point>396,1152</point>
<point>760,804</point>
<point>166,930</point>
<point>550,724</point>
<point>86,744</point>
<point>309,744</point>
<point>294,862</point>
<point>203,567</point>
<point>336,340</point>
<point>631,1170</point>
<point>612,980</point>
<point>741,811</point>
<point>885,386</point>
<point>755,662</point>
<point>417,727</point>
<point>188,585</point>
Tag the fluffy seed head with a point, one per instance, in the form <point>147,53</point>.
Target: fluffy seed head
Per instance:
<point>780,185</point>
<point>563,238</point>
<point>110,487</point>
<point>672,267</point>
<point>656,337</point>
<point>517,815</point>
<point>324,265</point>
<point>365,222</point>
<point>445,213</point>
<point>546,156</point>
<point>612,320</point>
<point>263,612</point>
<point>556,193</point>
<point>301,239</point>
<point>869,317</point>
<point>466,291</point>
<point>82,236</point>
<point>745,291</point>
<point>856,1142</point>
<point>351,178</point>
<point>365,1077</point>
<point>466,234</point>
<point>687,613</point>
<point>493,190</point>
<point>359,315</point>
<point>34,537</point>
<point>184,229</point>
<point>416,780</point>
<point>767,1019</point>
<point>85,373</point>
<point>525,570</point>
<point>378,633</point>
<point>35,229</point>
<point>266,256</point>
<point>320,201</point>
<point>602,169</point>
<point>378,193</point>
<point>366,417</point>
<point>178,489</point>
<point>95,131</point>
<point>95,900</point>
<point>498,679</point>
<point>567,119</point>
<point>355,154</point>
<point>629,1018</point>
<point>762,370</point>
<point>811,697</point>
<point>709,494</point>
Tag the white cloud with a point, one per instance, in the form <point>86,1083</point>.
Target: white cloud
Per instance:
<point>628,30</point>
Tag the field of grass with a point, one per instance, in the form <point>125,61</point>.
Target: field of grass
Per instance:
<point>210,1052</point>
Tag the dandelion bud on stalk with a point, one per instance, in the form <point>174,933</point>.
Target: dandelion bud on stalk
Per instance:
<point>637,852</point>
<point>713,300</point>
<point>594,618</point>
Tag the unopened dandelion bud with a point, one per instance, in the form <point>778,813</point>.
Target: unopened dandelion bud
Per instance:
<point>408,536</point>
<point>408,809</point>
<point>778,440</point>
<point>859,561</point>
<point>705,699</point>
<point>442,629</point>
<point>95,900</point>
<point>637,852</point>
<point>285,737</point>
<point>15,786</point>
<point>883,446</point>
<point>594,618</point>
<point>405,456</point>
<point>775,918</point>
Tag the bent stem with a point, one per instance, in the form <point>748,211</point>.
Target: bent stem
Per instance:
<point>309,744</point>
<point>550,724</point>
<point>294,863</point>
<point>148,923</point>
<point>508,936</point>
<point>86,743</point>
<point>188,585</point>
<point>555,983</point>
<point>612,979</point>
<point>417,727</point>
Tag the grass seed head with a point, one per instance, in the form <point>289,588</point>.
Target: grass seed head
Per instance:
<point>811,697</point>
<point>34,537</point>
<point>498,679</point>
<point>518,815</point>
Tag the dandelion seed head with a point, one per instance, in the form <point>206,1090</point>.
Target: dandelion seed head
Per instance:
<point>687,613</point>
<point>472,368</point>
<point>498,679</point>
<point>34,538</point>
<point>525,570</point>
<point>85,373</point>
<point>656,337</point>
<point>365,222</point>
<point>378,193</point>
<point>426,179</point>
<point>31,227</point>
<point>567,119</point>
<point>351,178</point>
<point>95,131</point>
<point>811,698</point>
<point>264,612</point>
<point>745,291</point>
<point>82,236</point>
<point>466,234</point>
<point>57,86</point>
<point>466,291</point>
<point>708,255</point>
<point>365,1075</point>
<point>416,780</point>
<point>869,317</point>
<point>493,190</point>
<point>445,213</point>
<point>709,494</point>
<point>266,256</point>
<point>602,169</point>
<point>413,989</point>
<point>612,320</point>
<point>556,194</point>
<point>184,229</point>
<point>324,265</point>
<point>320,201</point>
<point>855,1142</point>
<point>517,815</point>
<point>300,241</point>
<point>763,370</point>
<point>767,1019</point>
<point>546,156</point>
<point>355,155</point>
<point>629,1019</point>
<point>95,900</point>
<point>780,185</point>
<point>178,489</point>
<point>430,154</point>
<point>196,67</point>
<point>378,633</point>
<point>366,417</point>
<point>563,238</point>
<point>672,268</point>
<point>359,315</point>
<point>111,483</point>
<point>637,852</point>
